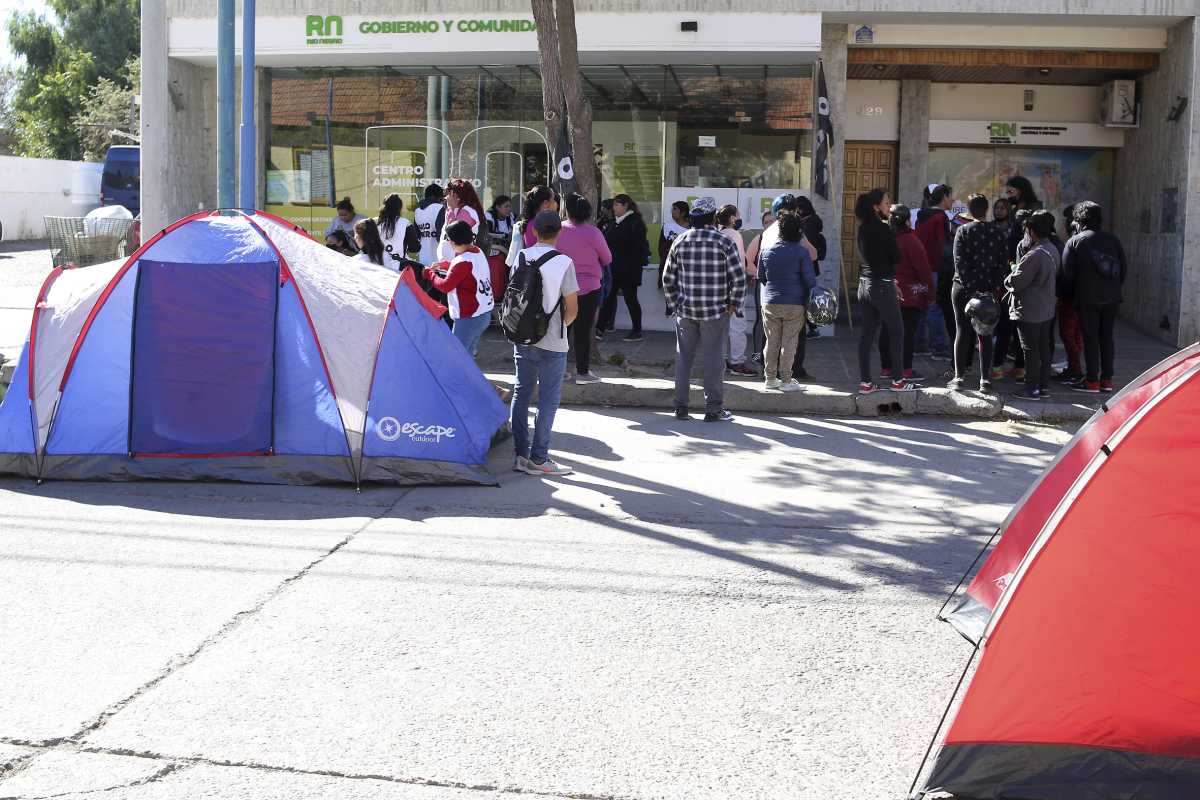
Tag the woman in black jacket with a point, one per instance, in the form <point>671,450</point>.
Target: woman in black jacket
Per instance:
<point>626,238</point>
<point>878,301</point>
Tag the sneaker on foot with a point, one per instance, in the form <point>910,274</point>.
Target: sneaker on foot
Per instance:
<point>1025,394</point>
<point>599,334</point>
<point>997,373</point>
<point>547,467</point>
<point>1087,387</point>
<point>682,414</point>
<point>986,387</point>
<point>866,387</point>
<point>521,464</point>
<point>1106,386</point>
<point>718,416</point>
<point>903,386</point>
<point>586,377</point>
<point>955,384</point>
<point>885,374</point>
<point>910,375</point>
<point>634,336</point>
<point>740,369</point>
<point>792,385</point>
<point>1015,374</point>
<point>773,383</point>
<point>1067,376</point>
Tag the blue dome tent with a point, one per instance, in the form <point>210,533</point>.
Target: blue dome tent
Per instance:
<point>234,347</point>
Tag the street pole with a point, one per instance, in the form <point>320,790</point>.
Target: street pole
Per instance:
<point>249,150</point>
<point>226,196</point>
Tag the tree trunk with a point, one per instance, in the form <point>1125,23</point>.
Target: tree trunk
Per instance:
<point>579,110</point>
<point>553,102</point>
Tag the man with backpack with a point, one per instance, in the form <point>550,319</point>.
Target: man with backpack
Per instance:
<point>1093,271</point>
<point>705,282</point>
<point>539,303</point>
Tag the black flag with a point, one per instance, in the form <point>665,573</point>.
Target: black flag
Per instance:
<point>564,163</point>
<point>824,136</point>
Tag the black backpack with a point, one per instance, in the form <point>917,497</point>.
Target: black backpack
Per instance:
<point>522,316</point>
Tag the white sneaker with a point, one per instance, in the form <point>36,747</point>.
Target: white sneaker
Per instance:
<point>586,377</point>
<point>792,385</point>
<point>547,467</point>
<point>521,464</point>
<point>773,383</point>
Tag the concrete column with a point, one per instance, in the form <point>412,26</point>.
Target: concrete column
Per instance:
<point>833,53</point>
<point>155,113</point>
<point>914,142</point>
<point>1157,172</point>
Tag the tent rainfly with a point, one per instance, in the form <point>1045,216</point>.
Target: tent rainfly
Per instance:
<point>1087,683</point>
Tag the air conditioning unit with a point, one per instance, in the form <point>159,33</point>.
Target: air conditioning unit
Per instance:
<point>1119,105</point>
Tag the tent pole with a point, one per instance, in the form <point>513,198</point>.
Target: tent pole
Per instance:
<point>912,790</point>
<point>963,579</point>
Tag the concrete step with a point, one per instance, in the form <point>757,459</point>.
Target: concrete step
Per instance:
<point>818,400</point>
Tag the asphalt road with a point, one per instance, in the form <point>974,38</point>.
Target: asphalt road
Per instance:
<point>742,610</point>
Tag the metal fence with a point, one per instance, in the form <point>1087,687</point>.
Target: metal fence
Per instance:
<point>78,242</point>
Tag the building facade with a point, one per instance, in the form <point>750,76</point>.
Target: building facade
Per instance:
<point>362,99</point>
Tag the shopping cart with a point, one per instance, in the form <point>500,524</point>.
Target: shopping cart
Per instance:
<point>79,242</point>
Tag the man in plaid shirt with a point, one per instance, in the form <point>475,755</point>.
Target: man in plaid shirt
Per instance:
<point>705,282</point>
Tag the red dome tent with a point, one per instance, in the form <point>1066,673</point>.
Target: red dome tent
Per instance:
<point>1089,681</point>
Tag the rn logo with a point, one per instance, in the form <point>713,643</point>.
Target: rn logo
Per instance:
<point>323,30</point>
<point>1002,132</point>
<point>390,429</point>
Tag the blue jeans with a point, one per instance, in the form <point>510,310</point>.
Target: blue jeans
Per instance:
<point>543,370</point>
<point>469,330</point>
<point>931,331</point>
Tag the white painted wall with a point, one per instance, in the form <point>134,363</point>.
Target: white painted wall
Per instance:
<point>1022,35</point>
<point>990,102</point>
<point>872,111</point>
<point>38,187</point>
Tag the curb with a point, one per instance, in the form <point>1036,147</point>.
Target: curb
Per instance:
<point>745,397</point>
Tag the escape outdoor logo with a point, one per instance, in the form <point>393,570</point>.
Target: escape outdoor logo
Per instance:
<point>327,30</point>
<point>390,429</point>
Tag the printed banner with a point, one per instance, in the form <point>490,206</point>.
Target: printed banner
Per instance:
<point>824,142</point>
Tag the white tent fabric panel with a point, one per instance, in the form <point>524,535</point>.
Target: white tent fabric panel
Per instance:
<point>61,316</point>
<point>348,301</point>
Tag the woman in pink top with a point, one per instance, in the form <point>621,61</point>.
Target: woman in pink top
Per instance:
<point>585,245</point>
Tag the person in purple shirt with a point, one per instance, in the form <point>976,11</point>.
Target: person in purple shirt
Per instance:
<point>585,245</point>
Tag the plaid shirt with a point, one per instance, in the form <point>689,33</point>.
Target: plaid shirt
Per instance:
<point>703,275</point>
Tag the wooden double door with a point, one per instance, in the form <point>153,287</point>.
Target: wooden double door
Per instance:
<point>866,166</point>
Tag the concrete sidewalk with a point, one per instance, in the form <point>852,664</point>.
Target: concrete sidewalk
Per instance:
<point>641,375</point>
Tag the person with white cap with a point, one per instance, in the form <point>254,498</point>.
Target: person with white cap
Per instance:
<point>705,282</point>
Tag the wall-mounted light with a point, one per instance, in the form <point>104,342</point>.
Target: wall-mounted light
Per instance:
<point>689,26</point>
<point>1043,70</point>
<point>879,67</point>
<point>1029,98</point>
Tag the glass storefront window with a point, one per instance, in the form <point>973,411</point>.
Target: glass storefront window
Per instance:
<point>366,133</point>
<point>1060,176</point>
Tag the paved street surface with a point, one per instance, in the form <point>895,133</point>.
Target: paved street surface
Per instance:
<point>23,267</point>
<point>741,611</point>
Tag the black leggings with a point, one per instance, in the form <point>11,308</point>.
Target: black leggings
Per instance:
<point>878,305</point>
<point>945,303</point>
<point>911,317</point>
<point>608,313</point>
<point>965,339</point>
<point>1006,341</point>
<point>581,330</point>
<point>1098,323</point>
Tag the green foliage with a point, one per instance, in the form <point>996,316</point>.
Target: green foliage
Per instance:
<point>67,55</point>
<point>109,106</point>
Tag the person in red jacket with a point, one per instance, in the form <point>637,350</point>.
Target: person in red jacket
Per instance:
<point>467,282</point>
<point>934,229</point>
<point>914,283</point>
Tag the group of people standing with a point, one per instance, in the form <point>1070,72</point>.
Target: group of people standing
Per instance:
<point>984,285</point>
